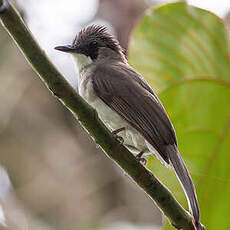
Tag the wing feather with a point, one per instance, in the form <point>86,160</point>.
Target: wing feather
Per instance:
<point>127,93</point>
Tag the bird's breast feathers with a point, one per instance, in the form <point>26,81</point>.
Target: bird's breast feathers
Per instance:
<point>109,117</point>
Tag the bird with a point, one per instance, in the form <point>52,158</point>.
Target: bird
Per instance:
<point>127,104</point>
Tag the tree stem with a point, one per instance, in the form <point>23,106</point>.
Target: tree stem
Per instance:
<point>87,116</point>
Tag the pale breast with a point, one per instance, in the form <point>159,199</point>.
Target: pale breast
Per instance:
<point>132,138</point>
<point>109,117</point>
<point>114,121</point>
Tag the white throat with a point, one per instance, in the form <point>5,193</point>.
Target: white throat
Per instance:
<point>81,60</point>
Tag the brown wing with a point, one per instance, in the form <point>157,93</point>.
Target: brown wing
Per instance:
<point>126,92</point>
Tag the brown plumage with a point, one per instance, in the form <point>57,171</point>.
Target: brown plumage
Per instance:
<point>123,98</point>
<point>136,102</point>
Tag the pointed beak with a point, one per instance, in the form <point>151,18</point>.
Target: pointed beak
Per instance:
<point>68,48</point>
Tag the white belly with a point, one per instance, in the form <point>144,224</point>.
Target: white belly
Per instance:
<point>114,121</point>
<point>130,135</point>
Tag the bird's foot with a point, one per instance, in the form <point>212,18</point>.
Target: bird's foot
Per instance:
<point>4,6</point>
<point>115,132</point>
<point>140,157</point>
<point>119,138</point>
<point>142,160</point>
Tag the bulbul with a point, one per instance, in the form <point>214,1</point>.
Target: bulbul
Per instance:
<point>127,104</point>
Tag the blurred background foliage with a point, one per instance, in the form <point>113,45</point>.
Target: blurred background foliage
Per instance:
<point>60,180</point>
<point>183,52</point>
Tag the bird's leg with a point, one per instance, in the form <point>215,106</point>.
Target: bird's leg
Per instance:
<point>115,132</point>
<point>140,158</point>
<point>119,138</point>
<point>4,6</point>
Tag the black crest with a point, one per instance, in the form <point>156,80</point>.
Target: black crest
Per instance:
<point>90,39</point>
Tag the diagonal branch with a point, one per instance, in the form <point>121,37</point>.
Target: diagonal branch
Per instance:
<point>87,116</point>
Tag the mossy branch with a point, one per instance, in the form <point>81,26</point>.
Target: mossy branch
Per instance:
<point>87,116</point>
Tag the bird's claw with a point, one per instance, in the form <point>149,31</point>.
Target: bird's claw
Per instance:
<point>119,138</point>
<point>140,157</point>
<point>115,132</point>
<point>142,160</point>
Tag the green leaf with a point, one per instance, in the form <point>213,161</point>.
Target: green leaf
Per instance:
<point>183,52</point>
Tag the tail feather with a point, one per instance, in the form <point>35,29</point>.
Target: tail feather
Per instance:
<point>186,182</point>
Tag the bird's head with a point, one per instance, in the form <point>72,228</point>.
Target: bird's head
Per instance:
<point>92,43</point>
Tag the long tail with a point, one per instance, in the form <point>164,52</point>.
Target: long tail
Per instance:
<point>186,182</point>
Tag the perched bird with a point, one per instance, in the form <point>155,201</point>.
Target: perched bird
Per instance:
<point>126,103</point>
